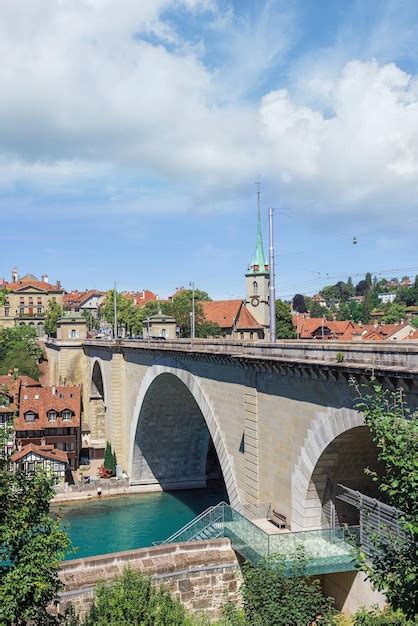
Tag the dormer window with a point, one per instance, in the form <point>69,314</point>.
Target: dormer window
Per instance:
<point>52,416</point>
<point>30,416</point>
<point>67,415</point>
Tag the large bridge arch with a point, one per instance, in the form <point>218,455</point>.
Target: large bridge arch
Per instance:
<point>174,394</point>
<point>337,449</point>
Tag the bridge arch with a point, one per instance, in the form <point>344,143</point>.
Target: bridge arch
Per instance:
<point>97,381</point>
<point>336,449</point>
<point>171,428</point>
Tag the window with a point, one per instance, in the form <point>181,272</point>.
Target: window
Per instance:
<point>73,334</point>
<point>39,300</point>
<point>6,311</point>
<point>163,332</point>
<point>30,416</point>
<point>255,287</point>
<point>241,335</point>
<point>30,300</point>
<point>39,310</point>
<point>251,335</point>
<point>66,415</point>
<point>22,310</point>
<point>52,416</point>
<point>22,300</point>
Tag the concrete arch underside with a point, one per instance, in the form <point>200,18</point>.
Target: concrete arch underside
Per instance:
<point>336,449</point>
<point>171,429</point>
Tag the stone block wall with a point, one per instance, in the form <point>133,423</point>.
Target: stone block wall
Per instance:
<point>203,575</point>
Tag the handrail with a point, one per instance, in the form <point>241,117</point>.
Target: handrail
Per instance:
<point>193,522</point>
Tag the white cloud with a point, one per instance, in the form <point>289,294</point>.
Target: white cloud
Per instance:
<point>93,87</point>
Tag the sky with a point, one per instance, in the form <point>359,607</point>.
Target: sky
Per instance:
<point>132,134</point>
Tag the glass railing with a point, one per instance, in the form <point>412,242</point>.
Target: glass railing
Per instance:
<point>324,551</point>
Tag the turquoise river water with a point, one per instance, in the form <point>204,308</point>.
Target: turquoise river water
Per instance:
<point>133,521</point>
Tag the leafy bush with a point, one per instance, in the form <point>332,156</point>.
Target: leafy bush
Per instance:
<point>132,599</point>
<point>274,595</point>
<point>376,617</point>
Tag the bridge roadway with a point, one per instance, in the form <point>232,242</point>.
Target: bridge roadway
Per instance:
<point>277,421</point>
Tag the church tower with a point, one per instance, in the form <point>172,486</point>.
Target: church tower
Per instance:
<point>257,279</point>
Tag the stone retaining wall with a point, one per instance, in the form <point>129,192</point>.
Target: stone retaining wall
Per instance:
<point>202,574</point>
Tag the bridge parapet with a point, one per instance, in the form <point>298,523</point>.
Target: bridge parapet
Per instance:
<point>399,356</point>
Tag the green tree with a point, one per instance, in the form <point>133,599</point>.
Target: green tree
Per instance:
<point>53,313</point>
<point>205,329</point>
<point>180,308</point>
<point>284,324</point>
<point>125,310</point>
<point>3,295</point>
<point>134,599</point>
<point>394,313</point>
<point>393,564</point>
<point>316,310</point>
<point>109,461</point>
<point>92,322</point>
<point>19,350</point>
<point>33,544</point>
<point>299,303</point>
<point>274,595</point>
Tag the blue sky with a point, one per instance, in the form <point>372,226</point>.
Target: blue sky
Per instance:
<point>132,134</point>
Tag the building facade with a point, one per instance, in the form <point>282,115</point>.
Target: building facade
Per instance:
<point>51,416</point>
<point>26,301</point>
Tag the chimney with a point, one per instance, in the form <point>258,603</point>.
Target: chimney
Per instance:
<point>53,391</point>
<point>14,275</point>
<point>45,278</point>
<point>58,284</point>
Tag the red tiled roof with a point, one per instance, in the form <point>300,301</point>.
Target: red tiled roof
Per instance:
<point>38,284</point>
<point>47,452</point>
<point>307,326</point>
<point>11,388</point>
<point>141,297</point>
<point>227,313</point>
<point>221,312</point>
<point>80,297</point>
<point>41,400</point>
<point>246,321</point>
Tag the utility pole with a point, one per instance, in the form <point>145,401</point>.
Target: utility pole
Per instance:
<point>272,288</point>
<point>115,314</point>
<point>193,317</point>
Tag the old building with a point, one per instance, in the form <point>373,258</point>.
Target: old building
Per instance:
<point>27,299</point>
<point>160,326</point>
<point>10,388</point>
<point>32,457</point>
<point>139,298</point>
<point>79,301</point>
<point>50,416</point>
<point>234,319</point>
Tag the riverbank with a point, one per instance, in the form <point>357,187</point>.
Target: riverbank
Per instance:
<point>89,492</point>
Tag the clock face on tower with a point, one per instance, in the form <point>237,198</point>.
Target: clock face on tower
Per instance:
<point>255,301</point>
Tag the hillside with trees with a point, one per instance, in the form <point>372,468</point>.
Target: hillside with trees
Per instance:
<point>388,300</point>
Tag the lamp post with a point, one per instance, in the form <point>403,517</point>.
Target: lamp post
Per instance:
<point>193,317</point>
<point>272,288</point>
<point>115,314</point>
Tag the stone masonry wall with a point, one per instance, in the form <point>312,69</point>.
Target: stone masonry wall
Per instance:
<point>203,575</point>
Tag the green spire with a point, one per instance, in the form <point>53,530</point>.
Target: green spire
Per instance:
<point>258,263</point>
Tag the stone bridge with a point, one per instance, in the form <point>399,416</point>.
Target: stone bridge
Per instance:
<point>276,420</point>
